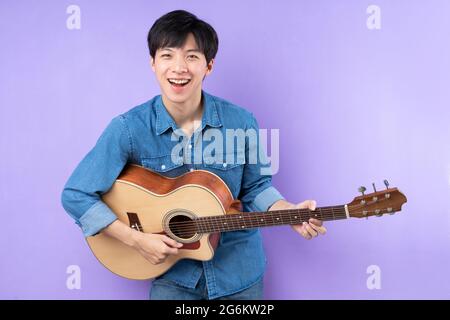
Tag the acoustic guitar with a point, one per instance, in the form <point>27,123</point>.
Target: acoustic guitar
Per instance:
<point>194,209</point>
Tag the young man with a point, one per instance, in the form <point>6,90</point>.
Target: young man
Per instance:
<point>182,50</point>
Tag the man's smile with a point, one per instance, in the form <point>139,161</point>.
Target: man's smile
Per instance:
<point>178,82</point>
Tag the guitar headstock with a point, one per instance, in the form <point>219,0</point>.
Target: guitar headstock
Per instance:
<point>376,203</point>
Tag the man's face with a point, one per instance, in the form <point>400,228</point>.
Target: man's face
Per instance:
<point>180,71</point>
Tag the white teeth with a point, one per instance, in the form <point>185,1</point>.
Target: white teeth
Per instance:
<point>180,81</point>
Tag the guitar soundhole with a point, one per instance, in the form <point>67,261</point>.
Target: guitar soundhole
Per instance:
<point>182,226</point>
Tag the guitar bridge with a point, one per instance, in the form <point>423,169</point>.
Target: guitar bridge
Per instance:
<point>134,221</point>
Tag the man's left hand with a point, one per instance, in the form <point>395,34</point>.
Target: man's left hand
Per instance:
<point>313,227</point>
<point>307,230</point>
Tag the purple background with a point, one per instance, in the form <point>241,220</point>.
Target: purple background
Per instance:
<point>353,105</point>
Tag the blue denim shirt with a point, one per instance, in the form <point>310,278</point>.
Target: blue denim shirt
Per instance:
<point>145,136</point>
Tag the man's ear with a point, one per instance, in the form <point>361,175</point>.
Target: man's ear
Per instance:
<point>209,67</point>
<point>152,63</point>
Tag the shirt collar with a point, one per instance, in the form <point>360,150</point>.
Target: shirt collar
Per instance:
<point>165,121</point>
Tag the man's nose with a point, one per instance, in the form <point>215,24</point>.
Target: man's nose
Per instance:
<point>180,65</point>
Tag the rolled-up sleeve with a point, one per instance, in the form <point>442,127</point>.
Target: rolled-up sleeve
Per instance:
<point>94,175</point>
<point>266,198</point>
<point>257,192</point>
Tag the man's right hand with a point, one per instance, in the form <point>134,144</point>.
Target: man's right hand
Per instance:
<point>155,247</point>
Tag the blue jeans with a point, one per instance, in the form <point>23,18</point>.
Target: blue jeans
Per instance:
<point>163,289</point>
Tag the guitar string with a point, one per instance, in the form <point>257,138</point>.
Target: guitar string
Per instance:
<point>291,211</point>
<point>258,215</point>
<point>266,216</point>
<point>253,221</point>
<point>322,211</point>
<point>232,220</point>
<point>191,227</point>
<point>195,225</point>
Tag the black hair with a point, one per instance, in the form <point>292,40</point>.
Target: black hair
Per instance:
<point>173,28</point>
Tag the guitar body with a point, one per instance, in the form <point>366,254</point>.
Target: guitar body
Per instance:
<point>151,203</point>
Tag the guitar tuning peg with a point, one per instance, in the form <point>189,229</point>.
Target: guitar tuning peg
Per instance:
<point>373,185</point>
<point>386,183</point>
<point>362,189</point>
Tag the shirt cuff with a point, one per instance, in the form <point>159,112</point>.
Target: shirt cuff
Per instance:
<point>96,218</point>
<point>267,198</point>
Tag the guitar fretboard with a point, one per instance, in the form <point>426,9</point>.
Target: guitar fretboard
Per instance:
<point>248,220</point>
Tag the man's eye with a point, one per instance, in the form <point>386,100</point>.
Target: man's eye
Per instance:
<point>165,55</point>
<point>192,57</point>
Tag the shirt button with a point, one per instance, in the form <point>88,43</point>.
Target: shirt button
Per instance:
<point>190,146</point>
<point>192,169</point>
<point>224,164</point>
<point>163,167</point>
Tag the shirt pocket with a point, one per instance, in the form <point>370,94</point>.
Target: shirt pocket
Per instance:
<point>161,164</point>
<point>238,160</point>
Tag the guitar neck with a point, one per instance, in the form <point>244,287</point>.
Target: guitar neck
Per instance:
<point>249,220</point>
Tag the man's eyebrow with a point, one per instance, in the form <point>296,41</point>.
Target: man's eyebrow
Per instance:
<point>190,50</point>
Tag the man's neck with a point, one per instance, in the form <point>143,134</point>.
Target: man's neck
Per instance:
<point>188,114</point>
